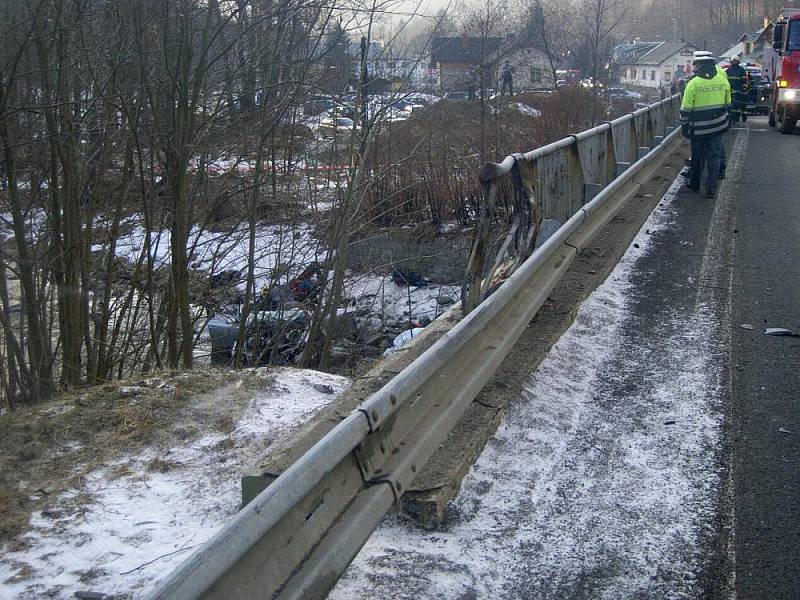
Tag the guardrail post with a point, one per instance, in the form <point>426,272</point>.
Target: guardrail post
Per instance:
<point>621,168</point>
<point>471,292</point>
<point>576,181</point>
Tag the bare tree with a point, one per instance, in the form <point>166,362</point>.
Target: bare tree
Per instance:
<point>550,27</point>
<point>599,21</point>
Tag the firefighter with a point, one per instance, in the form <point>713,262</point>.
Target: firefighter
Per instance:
<point>740,85</point>
<point>704,118</point>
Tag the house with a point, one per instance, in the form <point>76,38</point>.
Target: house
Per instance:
<point>654,64</point>
<point>386,70</point>
<point>750,46</point>
<point>457,60</point>
<point>530,67</point>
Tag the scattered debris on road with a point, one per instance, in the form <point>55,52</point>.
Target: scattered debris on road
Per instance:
<point>780,332</point>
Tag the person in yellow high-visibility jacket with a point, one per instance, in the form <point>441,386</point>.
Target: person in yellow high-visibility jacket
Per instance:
<point>705,116</point>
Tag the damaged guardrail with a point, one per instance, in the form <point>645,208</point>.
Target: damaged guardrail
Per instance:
<point>296,537</point>
<point>553,182</point>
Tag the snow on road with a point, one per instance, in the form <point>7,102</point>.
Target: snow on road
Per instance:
<point>139,525</point>
<point>600,481</point>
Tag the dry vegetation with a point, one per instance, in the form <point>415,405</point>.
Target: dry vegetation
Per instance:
<point>47,450</point>
<point>426,169</point>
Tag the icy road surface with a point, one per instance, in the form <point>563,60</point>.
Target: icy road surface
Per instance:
<point>602,480</point>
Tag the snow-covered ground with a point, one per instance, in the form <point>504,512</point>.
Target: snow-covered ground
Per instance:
<point>382,297</point>
<point>276,246</point>
<point>147,511</point>
<point>527,110</point>
<point>594,486</point>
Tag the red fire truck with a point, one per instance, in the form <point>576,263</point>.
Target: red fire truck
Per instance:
<point>782,66</point>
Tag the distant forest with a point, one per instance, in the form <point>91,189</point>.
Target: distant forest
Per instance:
<point>714,22</point>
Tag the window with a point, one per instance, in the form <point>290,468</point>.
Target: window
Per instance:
<point>644,73</point>
<point>652,75</point>
<point>794,36</point>
<point>536,74</point>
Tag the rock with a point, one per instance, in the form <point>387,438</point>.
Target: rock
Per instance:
<point>322,388</point>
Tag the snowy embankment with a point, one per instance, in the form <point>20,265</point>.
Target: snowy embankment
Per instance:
<point>600,481</point>
<point>138,516</point>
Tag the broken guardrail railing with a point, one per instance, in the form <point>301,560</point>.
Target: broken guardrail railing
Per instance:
<point>298,535</point>
<point>551,183</point>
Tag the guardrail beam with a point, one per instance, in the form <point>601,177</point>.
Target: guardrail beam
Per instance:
<point>298,535</point>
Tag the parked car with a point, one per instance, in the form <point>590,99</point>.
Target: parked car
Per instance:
<point>335,126</point>
<point>457,96</point>
<point>421,99</point>
<point>318,105</point>
<point>617,92</point>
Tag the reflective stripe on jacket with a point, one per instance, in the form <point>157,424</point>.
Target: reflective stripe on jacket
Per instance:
<point>737,77</point>
<point>705,105</point>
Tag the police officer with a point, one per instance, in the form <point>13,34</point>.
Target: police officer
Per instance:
<point>737,77</point>
<point>723,162</point>
<point>704,118</point>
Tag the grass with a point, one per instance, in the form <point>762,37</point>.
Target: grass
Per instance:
<point>48,449</point>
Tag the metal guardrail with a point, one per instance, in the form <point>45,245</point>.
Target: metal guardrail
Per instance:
<point>553,182</point>
<point>299,534</point>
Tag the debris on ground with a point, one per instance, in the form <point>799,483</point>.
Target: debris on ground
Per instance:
<point>403,339</point>
<point>408,278</point>
<point>780,332</point>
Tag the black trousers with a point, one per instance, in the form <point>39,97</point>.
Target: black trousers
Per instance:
<point>707,153</point>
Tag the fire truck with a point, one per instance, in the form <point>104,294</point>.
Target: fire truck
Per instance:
<point>782,66</point>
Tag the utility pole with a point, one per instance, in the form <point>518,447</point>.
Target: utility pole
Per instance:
<point>364,85</point>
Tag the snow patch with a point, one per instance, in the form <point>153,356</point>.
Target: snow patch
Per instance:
<point>149,510</point>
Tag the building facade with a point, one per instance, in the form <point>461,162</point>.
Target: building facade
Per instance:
<point>654,64</point>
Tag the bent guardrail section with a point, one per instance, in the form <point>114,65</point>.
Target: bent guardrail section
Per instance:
<point>299,534</point>
<point>553,182</point>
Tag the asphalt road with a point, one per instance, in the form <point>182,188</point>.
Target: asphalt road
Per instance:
<point>765,375</point>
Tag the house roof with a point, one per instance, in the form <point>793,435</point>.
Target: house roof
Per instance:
<point>463,49</point>
<point>662,52</point>
<point>737,50</point>
<point>630,53</point>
